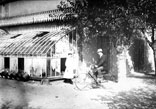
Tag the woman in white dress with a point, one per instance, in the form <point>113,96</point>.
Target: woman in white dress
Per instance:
<point>69,71</point>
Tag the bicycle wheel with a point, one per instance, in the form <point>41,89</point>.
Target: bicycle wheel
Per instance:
<point>83,81</point>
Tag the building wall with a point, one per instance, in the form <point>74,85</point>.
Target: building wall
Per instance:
<point>14,63</point>
<point>27,7</point>
<point>1,63</point>
<point>37,64</point>
<point>34,66</point>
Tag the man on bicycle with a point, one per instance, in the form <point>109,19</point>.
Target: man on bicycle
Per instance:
<point>101,63</point>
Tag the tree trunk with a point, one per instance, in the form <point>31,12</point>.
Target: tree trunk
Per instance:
<point>113,68</point>
<point>154,53</point>
<point>80,44</point>
<point>154,49</point>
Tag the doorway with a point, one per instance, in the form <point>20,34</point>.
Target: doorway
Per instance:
<point>63,67</point>
<point>6,62</point>
<point>20,64</point>
<point>48,67</point>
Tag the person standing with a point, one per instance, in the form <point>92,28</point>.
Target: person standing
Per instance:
<point>69,71</point>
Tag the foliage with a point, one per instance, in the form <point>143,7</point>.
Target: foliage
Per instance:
<point>117,19</point>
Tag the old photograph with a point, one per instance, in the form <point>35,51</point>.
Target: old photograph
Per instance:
<point>77,54</point>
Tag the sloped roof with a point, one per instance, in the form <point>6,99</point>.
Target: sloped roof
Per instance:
<point>47,16</point>
<point>29,44</point>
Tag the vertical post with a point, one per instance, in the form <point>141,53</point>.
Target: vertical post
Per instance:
<point>154,48</point>
<point>155,60</point>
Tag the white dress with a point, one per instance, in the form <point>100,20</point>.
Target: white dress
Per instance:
<point>69,74</point>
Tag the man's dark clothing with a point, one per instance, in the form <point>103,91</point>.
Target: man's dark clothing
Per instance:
<point>102,61</point>
<point>101,66</point>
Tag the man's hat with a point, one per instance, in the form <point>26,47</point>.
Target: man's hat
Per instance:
<point>99,50</point>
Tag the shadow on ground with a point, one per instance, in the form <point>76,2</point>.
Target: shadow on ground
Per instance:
<point>18,100</point>
<point>141,97</point>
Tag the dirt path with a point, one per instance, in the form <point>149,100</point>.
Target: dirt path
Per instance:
<point>132,93</point>
<point>58,95</point>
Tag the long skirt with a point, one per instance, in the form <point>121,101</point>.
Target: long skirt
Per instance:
<point>68,74</point>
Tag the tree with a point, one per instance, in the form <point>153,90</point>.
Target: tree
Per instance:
<point>109,16</point>
<point>121,20</point>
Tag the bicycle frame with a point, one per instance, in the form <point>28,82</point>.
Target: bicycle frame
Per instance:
<point>81,80</point>
<point>93,77</point>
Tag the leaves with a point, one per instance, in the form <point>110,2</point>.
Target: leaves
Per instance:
<point>113,18</point>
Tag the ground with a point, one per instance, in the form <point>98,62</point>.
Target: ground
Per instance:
<point>132,93</point>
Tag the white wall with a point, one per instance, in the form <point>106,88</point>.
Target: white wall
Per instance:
<point>14,63</point>
<point>55,64</point>
<point>28,64</point>
<point>27,7</point>
<point>1,63</point>
<point>37,63</point>
<point>62,46</point>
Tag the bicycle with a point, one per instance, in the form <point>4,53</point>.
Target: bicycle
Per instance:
<point>87,80</point>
